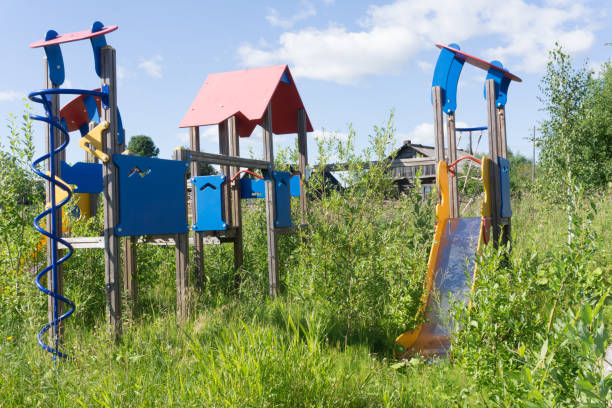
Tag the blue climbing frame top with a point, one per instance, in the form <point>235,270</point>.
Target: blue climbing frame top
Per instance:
<point>52,42</point>
<point>448,69</point>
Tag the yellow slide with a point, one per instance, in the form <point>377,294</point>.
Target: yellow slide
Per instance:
<point>450,270</point>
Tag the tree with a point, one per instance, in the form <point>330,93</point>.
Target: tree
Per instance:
<point>575,141</point>
<point>206,169</point>
<point>142,145</point>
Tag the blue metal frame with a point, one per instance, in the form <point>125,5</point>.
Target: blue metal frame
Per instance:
<point>54,235</point>
<point>152,196</point>
<point>283,199</point>
<point>87,177</point>
<point>504,181</point>
<point>446,76</point>
<point>501,84</point>
<point>96,44</point>
<point>209,209</point>
<point>471,129</point>
<point>55,61</point>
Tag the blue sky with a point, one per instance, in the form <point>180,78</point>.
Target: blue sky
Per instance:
<point>353,61</point>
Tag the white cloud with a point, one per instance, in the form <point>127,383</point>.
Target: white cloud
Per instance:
<point>425,66</point>
<point>306,10</point>
<point>392,35</point>
<point>8,96</point>
<point>123,72</point>
<point>152,66</point>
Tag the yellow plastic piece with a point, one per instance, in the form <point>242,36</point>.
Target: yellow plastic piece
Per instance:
<point>94,139</point>
<point>408,338</point>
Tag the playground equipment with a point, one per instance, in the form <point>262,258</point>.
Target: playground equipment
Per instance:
<point>148,196</point>
<point>451,272</point>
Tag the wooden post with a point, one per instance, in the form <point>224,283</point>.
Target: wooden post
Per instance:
<point>493,154</point>
<point>130,274</point>
<point>234,150</point>
<point>436,94</point>
<point>224,149</point>
<point>58,138</point>
<point>452,156</point>
<point>501,135</point>
<point>503,150</point>
<point>303,159</point>
<point>182,259</point>
<point>270,204</point>
<point>198,245</point>
<point>110,176</point>
<point>438,122</point>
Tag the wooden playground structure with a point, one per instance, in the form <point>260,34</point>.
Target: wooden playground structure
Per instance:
<point>145,199</point>
<point>237,103</point>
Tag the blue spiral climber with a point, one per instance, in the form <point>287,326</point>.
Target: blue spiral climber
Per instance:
<point>44,97</point>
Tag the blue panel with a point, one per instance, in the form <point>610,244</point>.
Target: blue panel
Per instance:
<point>294,185</point>
<point>86,176</point>
<point>209,211</point>
<point>501,84</point>
<point>446,75</point>
<point>55,61</point>
<point>285,78</point>
<point>151,196</point>
<point>504,181</point>
<point>283,199</point>
<point>92,108</point>
<point>97,43</point>
<point>252,188</point>
<point>120,129</point>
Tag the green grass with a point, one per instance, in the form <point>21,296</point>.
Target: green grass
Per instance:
<point>244,351</point>
<point>246,355</point>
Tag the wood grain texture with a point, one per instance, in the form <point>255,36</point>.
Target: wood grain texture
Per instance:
<point>198,247</point>
<point>110,174</point>
<point>234,150</point>
<point>268,149</point>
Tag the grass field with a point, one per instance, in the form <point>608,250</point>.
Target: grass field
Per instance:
<point>244,349</point>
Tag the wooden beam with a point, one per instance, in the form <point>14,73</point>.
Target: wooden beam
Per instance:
<point>130,274</point>
<point>234,150</point>
<point>493,154</point>
<point>302,159</point>
<point>505,224</point>
<point>452,156</point>
<point>58,137</point>
<point>182,259</point>
<point>436,93</point>
<point>112,270</point>
<point>198,247</point>
<point>212,158</point>
<point>270,204</point>
<point>502,144</point>
<point>224,169</point>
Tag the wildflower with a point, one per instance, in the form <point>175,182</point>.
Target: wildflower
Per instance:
<point>9,338</point>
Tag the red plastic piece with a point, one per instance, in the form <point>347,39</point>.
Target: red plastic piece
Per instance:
<point>245,171</point>
<point>70,37</point>
<point>479,63</point>
<point>75,113</point>
<point>246,94</point>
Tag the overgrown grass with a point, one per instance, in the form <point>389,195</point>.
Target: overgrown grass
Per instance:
<point>350,283</point>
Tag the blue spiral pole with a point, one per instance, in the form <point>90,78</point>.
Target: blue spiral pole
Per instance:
<point>43,97</point>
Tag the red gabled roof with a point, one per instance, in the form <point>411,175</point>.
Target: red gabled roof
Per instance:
<point>246,94</point>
